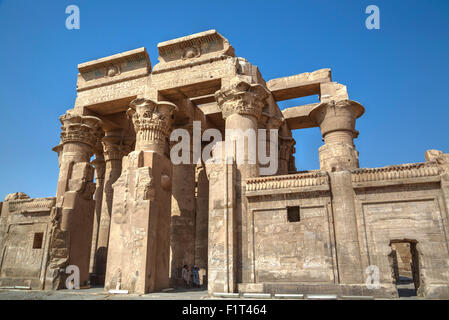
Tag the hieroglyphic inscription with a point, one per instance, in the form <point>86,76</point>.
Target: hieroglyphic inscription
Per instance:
<point>111,92</point>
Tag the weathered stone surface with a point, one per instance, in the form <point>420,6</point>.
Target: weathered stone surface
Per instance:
<point>300,85</point>
<point>183,222</point>
<point>340,230</point>
<point>138,251</point>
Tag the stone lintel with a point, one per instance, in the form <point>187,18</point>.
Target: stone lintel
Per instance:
<point>119,57</point>
<point>299,117</point>
<point>194,46</point>
<point>206,99</point>
<point>300,85</point>
<point>202,90</point>
<point>113,69</point>
<point>209,108</point>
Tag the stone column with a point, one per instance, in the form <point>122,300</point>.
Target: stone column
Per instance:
<point>115,146</point>
<point>338,156</point>
<point>71,238</point>
<point>139,241</point>
<point>273,123</point>
<point>201,221</point>
<point>337,124</point>
<point>345,228</point>
<point>99,165</point>
<point>442,160</point>
<point>182,234</point>
<point>286,150</point>
<point>78,138</point>
<point>241,104</point>
<point>222,233</point>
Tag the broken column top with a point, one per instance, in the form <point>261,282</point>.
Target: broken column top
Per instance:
<point>199,46</point>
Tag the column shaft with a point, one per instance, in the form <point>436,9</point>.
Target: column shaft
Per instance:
<point>71,239</point>
<point>338,156</point>
<point>112,173</point>
<point>241,104</point>
<point>182,233</point>
<point>115,145</point>
<point>98,197</point>
<point>139,239</point>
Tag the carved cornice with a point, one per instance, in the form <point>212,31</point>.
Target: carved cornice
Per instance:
<point>83,129</point>
<point>193,50</point>
<point>243,98</point>
<point>31,205</point>
<point>300,180</point>
<point>404,171</point>
<point>152,120</point>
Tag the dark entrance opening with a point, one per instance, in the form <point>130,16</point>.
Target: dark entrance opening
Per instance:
<point>404,261</point>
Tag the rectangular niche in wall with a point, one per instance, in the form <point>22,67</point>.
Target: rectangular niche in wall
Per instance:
<point>38,238</point>
<point>293,214</point>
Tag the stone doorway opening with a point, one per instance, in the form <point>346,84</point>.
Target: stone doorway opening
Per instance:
<point>404,261</point>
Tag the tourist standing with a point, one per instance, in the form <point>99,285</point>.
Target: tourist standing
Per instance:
<point>196,276</point>
<point>186,275</point>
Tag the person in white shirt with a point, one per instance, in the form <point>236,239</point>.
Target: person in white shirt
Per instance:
<point>186,275</point>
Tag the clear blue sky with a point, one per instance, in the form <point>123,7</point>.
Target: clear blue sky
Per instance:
<point>399,73</point>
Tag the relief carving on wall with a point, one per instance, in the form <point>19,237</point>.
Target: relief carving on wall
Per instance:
<point>191,52</point>
<point>113,71</point>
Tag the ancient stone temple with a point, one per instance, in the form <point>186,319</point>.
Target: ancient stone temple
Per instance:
<point>130,218</point>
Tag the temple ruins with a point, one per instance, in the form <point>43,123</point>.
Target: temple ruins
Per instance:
<point>130,219</point>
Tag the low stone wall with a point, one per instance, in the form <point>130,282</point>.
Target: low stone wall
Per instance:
<point>25,232</point>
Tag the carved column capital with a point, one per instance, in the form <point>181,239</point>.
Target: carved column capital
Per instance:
<point>337,124</point>
<point>241,97</point>
<point>335,116</point>
<point>115,147</point>
<point>152,121</point>
<point>98,149</point>
<point>82,129</point>
<point>274,123</point>
<point>286,147</point>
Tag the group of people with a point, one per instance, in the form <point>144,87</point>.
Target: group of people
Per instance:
<point>191,276</point>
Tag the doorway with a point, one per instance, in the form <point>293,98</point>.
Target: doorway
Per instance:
<point>404,261</point>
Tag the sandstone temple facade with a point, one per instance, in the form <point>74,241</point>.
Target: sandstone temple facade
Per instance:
<point>129,218</point>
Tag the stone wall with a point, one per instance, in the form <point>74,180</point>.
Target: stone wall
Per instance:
<point>394,204</point>
<point>404,203</point>
<point>25,232</point>
<point>307,232</point>
<point>284,249</point>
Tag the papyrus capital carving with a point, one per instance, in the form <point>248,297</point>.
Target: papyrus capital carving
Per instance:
<point>83,129</point>
<point>286,147</point>
<point>152,120</point>
<point>242,98</point>
<point>115,147</point>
